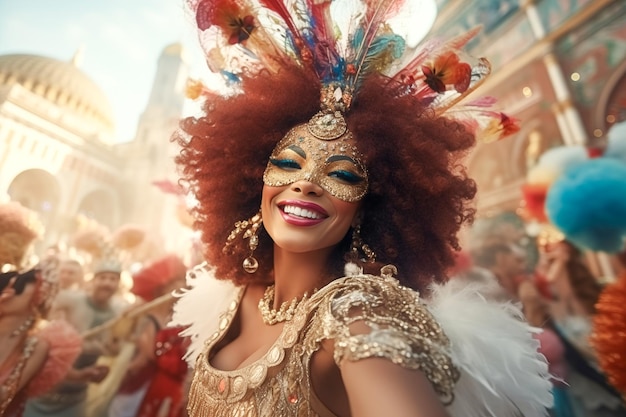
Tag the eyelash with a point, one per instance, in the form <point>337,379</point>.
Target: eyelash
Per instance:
<point>346,176</point>
<point>285,163</point>
<point>342,175</point>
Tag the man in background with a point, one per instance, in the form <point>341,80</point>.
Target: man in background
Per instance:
<point>83,310</point>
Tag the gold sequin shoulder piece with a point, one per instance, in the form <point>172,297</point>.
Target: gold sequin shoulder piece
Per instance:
<point>401,328</point>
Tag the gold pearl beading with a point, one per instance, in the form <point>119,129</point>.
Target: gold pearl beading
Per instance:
<point>286,311</point>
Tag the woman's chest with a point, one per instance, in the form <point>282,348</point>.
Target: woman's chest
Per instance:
<point>256,373</point>
<point>244,348</point>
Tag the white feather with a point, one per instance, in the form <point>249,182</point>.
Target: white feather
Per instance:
<point>502,372</point>
<point>200,306</point>
<point>346,15</point>
<point>414,21</point>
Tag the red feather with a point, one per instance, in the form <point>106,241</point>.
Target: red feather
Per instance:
<point>278,7</point>
<point>535,199</point>
<point>326,52</point>
<point>169,187</point>
<point>434,48</point>
<point>381,10</point>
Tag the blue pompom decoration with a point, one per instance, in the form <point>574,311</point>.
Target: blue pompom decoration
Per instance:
<point>588,204</point>
<point>616,145</point>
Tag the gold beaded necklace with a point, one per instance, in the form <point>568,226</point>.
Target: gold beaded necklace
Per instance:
<point>286,311</point>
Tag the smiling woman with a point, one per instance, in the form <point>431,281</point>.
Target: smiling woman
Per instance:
<point>361,198</point>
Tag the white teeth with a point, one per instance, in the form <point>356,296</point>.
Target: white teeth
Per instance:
<point>300,212</point>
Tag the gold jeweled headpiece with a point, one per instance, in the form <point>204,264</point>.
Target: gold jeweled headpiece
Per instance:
<point>327,126</point>
<point>329,123</point>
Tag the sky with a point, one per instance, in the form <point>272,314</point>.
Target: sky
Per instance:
<point>121,42</point>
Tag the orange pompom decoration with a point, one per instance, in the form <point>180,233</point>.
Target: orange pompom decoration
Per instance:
<point>19,227</point>
<point>90,240</point>
<point>609,333</point>
<point>128,236</point>
<point>194,89</point>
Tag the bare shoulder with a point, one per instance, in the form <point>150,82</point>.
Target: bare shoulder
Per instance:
<point>377,386</point>
<point>40,354</point>
<point>36,361</point>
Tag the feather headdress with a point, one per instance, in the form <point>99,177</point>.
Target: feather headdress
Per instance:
<point>19,227</point>
<point>344,42</point>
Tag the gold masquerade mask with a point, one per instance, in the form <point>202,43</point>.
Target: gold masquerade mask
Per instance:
<point>329,160</point>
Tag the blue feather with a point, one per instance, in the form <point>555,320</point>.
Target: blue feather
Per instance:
<point>387,43</point>
<point>382,52</point>
<point>230,77</point>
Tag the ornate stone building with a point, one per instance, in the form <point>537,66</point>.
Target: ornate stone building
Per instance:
<point>558,66</point>
<point>57,150</point>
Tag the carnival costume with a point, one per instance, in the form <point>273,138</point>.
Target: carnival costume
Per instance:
<point>462,342</point>
<point>156,388</point>
<point>479,356</point>
<point>71,398</point>
<point>62,340</point>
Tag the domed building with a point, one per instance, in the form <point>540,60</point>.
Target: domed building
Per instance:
<point>66,86</point>
<point>57,150</point>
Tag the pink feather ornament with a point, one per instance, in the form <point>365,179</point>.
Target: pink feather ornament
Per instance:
<point>64,346</point>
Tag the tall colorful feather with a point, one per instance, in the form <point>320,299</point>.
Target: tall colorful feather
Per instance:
<point>293,34</point>
<point>278,7</point>
<point>377,12</point>
<point>344,42</point>
<point>328,62</point>
<point>234,36</point>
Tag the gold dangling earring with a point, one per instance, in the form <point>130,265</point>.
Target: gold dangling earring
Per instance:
<point>251,227</point>
<point>358,244</point>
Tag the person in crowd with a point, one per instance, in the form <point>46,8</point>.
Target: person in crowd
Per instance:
<point>35,354</point>
<point>154,381</point>
<point>465,268</point>
<point>573,293</point>
<point>84,311</point>
<point>507,263</point>
<point>346,192</point>
<point>71,275</point>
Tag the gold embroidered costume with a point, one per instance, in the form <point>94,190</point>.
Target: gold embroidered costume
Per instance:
<point>279,384</point>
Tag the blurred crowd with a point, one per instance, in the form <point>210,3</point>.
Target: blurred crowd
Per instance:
<point>78,340</point>
<point>558,294</point>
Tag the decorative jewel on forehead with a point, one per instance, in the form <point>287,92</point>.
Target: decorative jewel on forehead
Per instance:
<point>327,125</point>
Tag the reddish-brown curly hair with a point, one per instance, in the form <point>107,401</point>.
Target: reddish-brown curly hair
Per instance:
<point>419,192</point>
